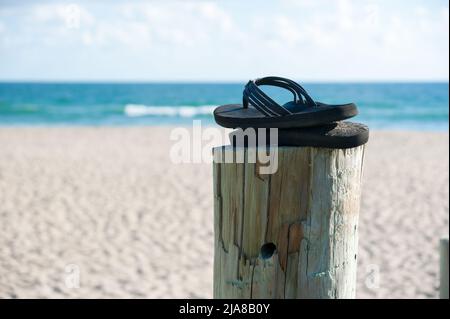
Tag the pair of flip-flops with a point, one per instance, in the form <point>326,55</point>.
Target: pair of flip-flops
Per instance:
<point>301,122</point>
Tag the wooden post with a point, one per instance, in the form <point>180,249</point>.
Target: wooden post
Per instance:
<point>443,290</point>
<point>291,234</point>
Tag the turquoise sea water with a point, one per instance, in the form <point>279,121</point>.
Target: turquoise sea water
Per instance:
<point>418,106</point>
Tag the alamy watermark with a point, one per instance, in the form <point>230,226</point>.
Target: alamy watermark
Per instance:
<point>259,146</point>
<point>72,16</point>
<point>372,276</point>
<point>72,277</point>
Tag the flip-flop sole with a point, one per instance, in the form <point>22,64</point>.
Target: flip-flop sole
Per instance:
<point>235,116</point>
<point>340,135</point>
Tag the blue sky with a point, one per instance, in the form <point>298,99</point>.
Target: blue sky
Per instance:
<point>311,40</point>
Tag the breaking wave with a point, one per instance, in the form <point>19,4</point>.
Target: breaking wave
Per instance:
<point>136,110</point>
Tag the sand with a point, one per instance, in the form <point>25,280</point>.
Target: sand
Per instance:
<point>108,205</point>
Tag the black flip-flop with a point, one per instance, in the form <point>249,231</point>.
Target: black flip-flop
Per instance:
<point>258,110</point>
<point>340,135</point>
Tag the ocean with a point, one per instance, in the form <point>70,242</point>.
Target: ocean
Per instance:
<point>410,106</point>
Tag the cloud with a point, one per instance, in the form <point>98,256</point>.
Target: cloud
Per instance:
<point>319,39</point>
<point>66,14</point>
<point>136,23</point>
<point>215,14</point>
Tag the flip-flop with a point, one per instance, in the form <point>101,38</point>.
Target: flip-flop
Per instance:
<point>258,110</point>
<point>340,135</point>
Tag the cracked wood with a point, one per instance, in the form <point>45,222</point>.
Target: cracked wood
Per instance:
<point>308,209</point>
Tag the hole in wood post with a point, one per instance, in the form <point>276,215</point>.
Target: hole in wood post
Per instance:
<point>267,250</point>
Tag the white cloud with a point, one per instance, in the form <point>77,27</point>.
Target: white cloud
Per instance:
<point>63,14</point>
<point>215,14</point>
<point>345,14</point>
<point>347,39</point>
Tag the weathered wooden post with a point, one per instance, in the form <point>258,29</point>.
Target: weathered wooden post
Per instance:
<point>293,233</point>
<point>443,289</point>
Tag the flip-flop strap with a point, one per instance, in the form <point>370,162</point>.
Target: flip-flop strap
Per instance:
<point>270,80</point>
<point>259,100</point>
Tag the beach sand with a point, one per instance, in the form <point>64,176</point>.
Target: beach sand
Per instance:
<point>107,204</point>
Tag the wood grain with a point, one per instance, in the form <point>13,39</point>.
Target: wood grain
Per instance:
<point>308,209</point>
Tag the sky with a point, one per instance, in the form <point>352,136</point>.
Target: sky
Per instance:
<point>199,40</point>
